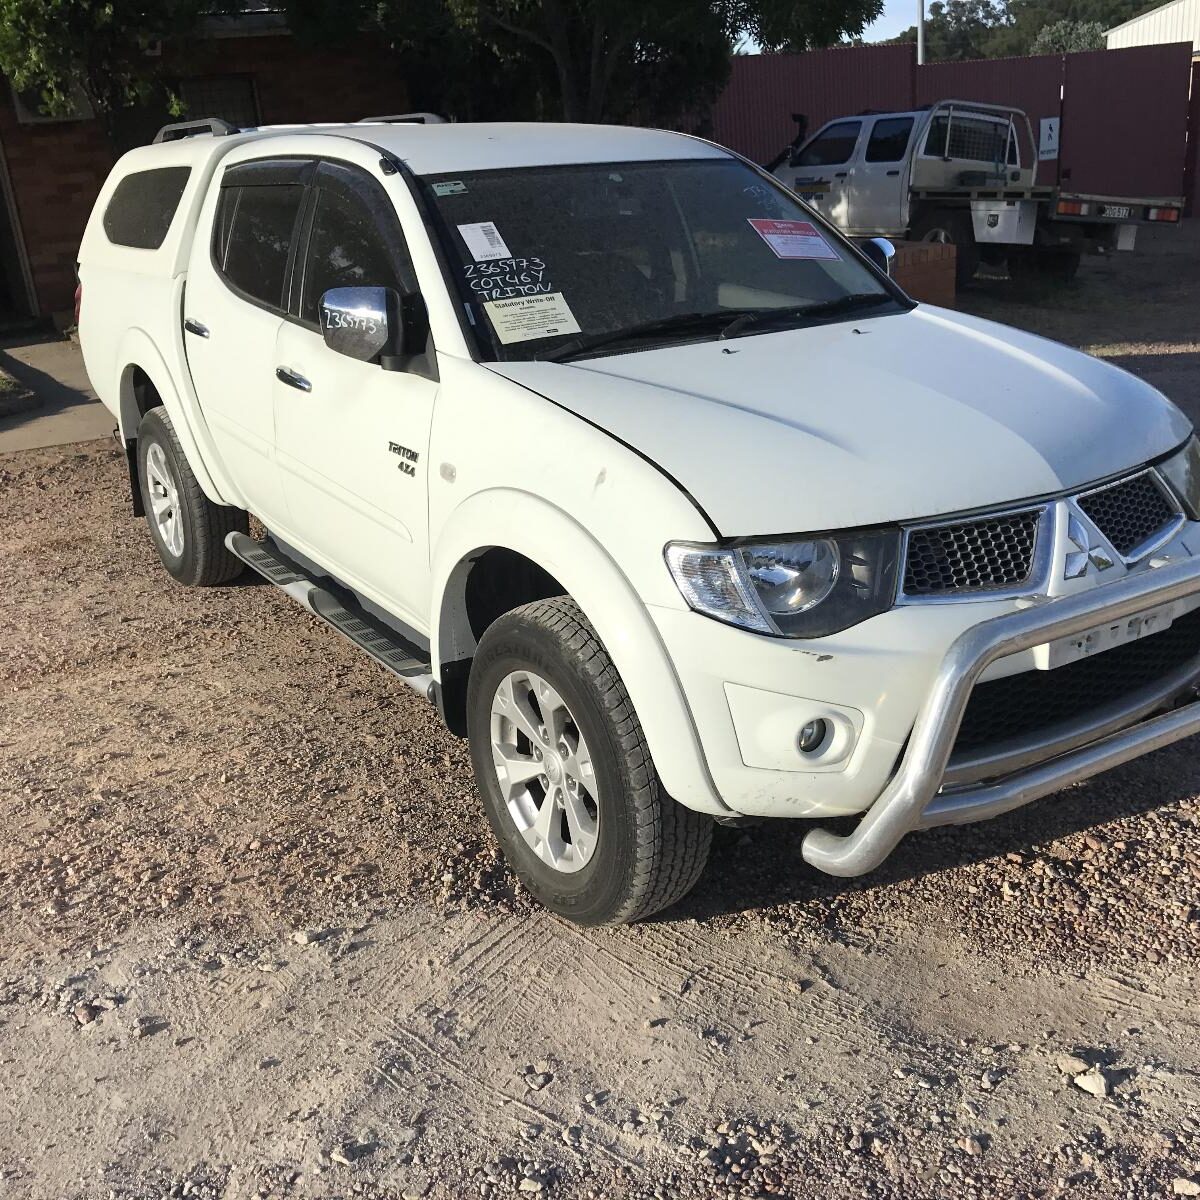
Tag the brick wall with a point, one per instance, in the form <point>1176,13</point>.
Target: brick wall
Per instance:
<point>925,270</point>
<point>56,169</point>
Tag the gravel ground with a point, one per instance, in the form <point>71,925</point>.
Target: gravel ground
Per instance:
<point>256,940</point>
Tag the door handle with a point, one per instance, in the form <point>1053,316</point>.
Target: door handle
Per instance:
<point>195,327</point>
<point>839,174</point>
<point>292,379</point>
<point>893,173</point>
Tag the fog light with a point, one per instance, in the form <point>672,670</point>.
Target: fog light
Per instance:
<point>812,736</point>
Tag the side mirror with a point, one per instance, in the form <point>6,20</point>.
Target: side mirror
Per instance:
<point>362,322</point>
<point>881,252</point>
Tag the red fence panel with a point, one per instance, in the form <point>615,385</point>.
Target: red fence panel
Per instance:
<point>1124,130</point>
<point>1124,112</point>
<point>1191,179</point>
<point>753,115</point>
<point>1031,84</point>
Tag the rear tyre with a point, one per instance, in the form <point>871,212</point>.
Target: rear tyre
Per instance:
<point>949,226</point>
<point>187,528</point>
<point>566,776</point>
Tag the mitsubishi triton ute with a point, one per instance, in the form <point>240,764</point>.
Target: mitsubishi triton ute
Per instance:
<point>656,485</point>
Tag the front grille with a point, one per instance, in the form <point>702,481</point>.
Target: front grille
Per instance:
<point>1033,701</point>
<point>974,556</point>
<point>1130,512</point>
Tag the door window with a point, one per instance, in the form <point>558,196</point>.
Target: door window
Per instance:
<point>255,229</point>
<point>831,146</point>
<point>889,139</point>
<point>348,248</point>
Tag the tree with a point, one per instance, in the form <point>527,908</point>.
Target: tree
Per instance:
<point>957,30</point>
<point>1066,37</point>
<point>605,53</point>
<point>54,47</point>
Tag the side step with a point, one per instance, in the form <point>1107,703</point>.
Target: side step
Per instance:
<point>384,645</point>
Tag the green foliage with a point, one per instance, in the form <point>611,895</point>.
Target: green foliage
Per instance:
<point>1066,37</point>
<point>959,29</point>
<point>597,60</point>
<point>53,47</point>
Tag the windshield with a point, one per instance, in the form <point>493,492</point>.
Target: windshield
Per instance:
<point>564,261</point>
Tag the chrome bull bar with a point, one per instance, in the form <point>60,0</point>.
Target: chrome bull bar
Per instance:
<point>912,800</point>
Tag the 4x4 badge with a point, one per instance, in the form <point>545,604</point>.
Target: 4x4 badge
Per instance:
<point>1082,551</point>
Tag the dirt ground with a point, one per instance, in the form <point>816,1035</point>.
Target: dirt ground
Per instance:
<point>256,940</point>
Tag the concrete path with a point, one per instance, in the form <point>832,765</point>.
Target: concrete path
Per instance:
<point>51,366</point>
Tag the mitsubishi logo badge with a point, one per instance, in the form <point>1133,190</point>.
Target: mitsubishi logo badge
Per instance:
<point>1081,550</point>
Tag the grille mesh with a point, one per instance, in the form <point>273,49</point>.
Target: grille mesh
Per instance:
<point>1129,512</point>
<point>994,552</point>
<point>1034,701</point>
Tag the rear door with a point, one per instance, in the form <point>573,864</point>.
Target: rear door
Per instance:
<point>879,181</point>
<point>822,169</point>
<point>351,438</point>
<point>233,310</point>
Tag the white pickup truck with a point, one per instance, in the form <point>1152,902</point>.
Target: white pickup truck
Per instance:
<point>961,172</point>
<point>653,483</point>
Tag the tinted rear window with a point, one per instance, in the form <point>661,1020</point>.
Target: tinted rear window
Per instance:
<point>254,231</point>
<point>889,139</point>
<point>141,209</point>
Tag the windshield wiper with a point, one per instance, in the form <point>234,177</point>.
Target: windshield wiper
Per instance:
<point>822,309</point>
<point>679,323</point>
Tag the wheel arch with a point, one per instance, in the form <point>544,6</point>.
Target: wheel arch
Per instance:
<point>143,374</point>
<point>559,550</point>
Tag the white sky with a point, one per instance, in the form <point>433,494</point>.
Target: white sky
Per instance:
<point>897,15</point>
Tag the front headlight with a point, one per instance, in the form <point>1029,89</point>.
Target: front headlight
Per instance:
<point>1182,472</point>
<point>807,588</point>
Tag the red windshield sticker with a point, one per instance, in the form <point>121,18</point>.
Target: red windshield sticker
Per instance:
<point>793,239</point>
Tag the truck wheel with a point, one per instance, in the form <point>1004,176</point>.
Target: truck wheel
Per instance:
<point>565,774</point>
<point>187,527</point>
<point>950,226</point>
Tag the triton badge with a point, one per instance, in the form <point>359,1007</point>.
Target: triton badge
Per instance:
<point>408,458</point>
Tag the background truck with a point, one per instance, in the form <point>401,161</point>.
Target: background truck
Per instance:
<point>961,172</point>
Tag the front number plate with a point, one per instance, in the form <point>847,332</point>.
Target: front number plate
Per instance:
<point>1105,637</point>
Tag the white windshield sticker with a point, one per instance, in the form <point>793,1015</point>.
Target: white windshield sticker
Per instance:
<point>793,239</point>
<point>484,241</point>
<point>450,187</point>
<point>530,317</point>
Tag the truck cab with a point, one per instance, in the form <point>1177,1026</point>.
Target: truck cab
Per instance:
<point>859,170</point>
<point>965,173</point>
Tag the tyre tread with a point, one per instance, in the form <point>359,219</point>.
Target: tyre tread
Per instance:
<point>672,841</point>
<point>213,563</point>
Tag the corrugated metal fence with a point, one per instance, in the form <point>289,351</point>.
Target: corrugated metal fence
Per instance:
<point>1124,112</point>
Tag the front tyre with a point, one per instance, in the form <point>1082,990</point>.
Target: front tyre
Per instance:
<point>187,528</point>
<point>566,776</point>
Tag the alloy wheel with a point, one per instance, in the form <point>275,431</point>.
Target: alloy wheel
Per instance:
<point>545,771</point>
<point>164,500</point>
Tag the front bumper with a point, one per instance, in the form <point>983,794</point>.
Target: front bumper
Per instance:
<point>889,671</point>
<point>914,800</point>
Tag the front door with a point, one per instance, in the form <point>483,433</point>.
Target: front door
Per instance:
<point>233,310</point>
<point>352,438</point>
<point>822,169</point>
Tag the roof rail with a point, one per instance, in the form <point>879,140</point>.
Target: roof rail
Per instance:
<point>417,118</point>
<point>185,129</point>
